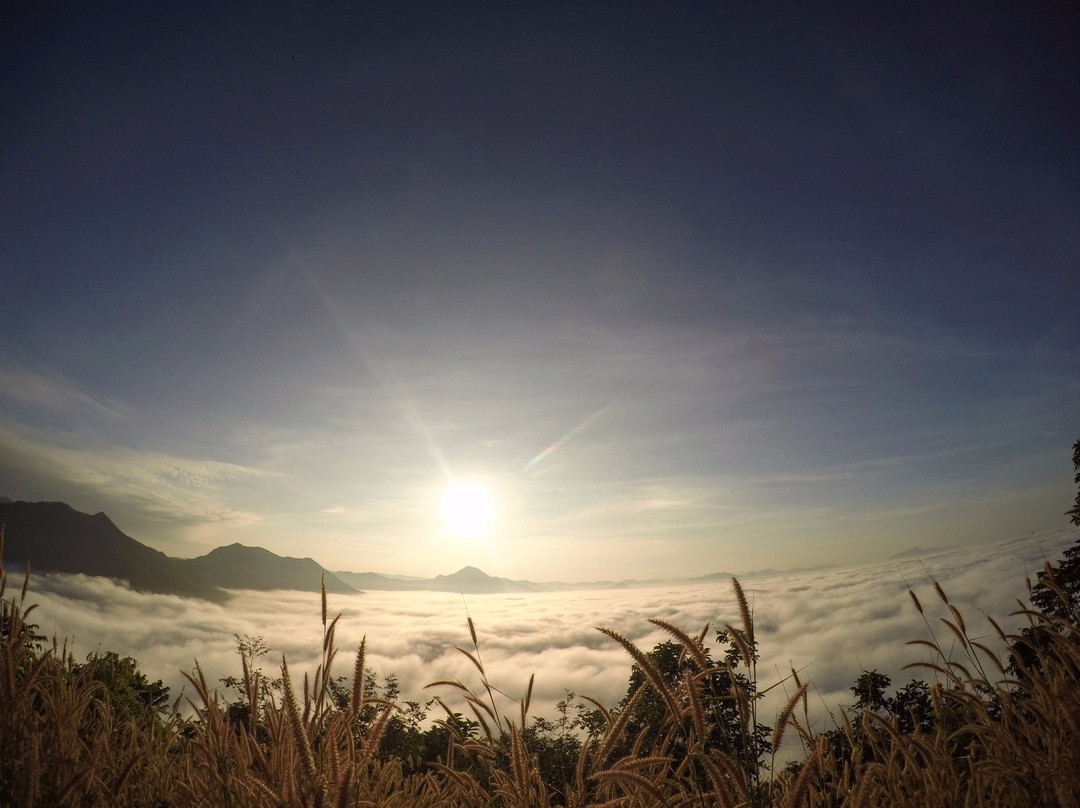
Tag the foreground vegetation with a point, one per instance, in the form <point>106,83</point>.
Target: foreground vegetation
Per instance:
<point>999,726</point>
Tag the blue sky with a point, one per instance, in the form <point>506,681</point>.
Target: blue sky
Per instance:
<point>690,289</point>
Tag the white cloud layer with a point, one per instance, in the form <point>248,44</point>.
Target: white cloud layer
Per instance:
<point>829,624</point>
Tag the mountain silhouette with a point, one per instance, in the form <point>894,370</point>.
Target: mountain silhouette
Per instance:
<point>471,580</point>
<point>380,582</point>
<point>240,567</point>
<point>467,580</point>
<point>54,537</point>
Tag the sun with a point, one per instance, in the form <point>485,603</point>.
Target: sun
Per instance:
<point>467,510</point>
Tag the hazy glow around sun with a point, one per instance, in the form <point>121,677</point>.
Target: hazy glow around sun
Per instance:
<point>467,510</point>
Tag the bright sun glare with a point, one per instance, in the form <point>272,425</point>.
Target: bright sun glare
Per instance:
<point>467,511</point>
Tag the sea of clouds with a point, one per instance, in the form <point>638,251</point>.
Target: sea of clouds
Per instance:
<point>830,625</point>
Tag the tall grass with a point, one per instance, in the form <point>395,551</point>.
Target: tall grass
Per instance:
<point>997,736</point>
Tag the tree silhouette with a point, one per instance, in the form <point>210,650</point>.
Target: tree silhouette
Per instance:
<point>125,688</point>
<point>727,725</point>
<point>1055,599</point>
<point>1075,512</point>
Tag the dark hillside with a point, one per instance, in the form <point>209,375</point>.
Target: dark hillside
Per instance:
<point>240,567</point>
<point>54,537</point>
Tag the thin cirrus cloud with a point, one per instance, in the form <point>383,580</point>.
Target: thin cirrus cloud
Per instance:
<point>829,625</point>
<point>51,391</point>
<point>142,487</point>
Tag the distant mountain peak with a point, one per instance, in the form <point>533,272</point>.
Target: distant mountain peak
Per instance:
<point>238,549</point>
<point>469,575</point>
<point>471,570</point>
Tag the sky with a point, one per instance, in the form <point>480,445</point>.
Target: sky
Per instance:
<point>685,287</point>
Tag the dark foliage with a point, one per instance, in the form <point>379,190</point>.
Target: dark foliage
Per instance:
<point>127,691</point>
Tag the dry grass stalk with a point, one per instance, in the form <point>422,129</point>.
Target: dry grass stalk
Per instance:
<point>996,740</point>
<point>652,675</point>
<point>785,716</point>
<point>292,713</point>
<point>744,611</point>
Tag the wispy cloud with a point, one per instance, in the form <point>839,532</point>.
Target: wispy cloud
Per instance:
<point>52,391</point>
<point>156,484</point>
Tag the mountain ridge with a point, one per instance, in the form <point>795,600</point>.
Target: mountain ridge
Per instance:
<point>272,571</point>
<point>54,537</point>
